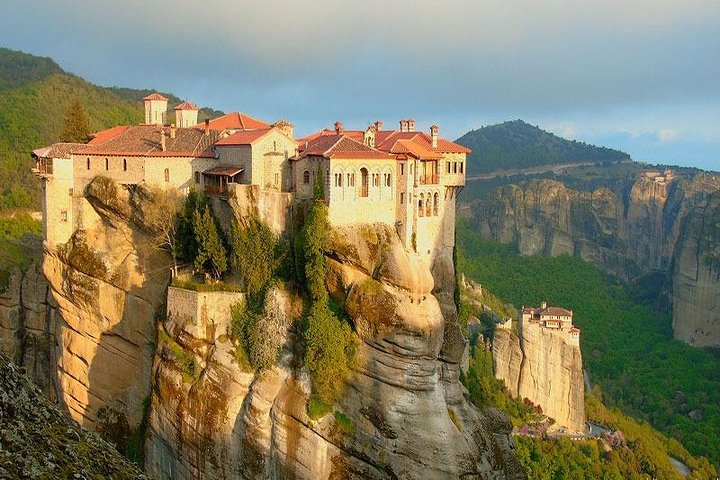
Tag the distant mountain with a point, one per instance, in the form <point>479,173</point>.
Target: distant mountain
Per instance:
<point>35,93</point>
<point>516,144</point>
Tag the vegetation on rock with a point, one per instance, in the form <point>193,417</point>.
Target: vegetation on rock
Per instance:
<point>211,256</point>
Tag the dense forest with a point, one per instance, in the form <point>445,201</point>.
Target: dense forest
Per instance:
<point>517,145</point>
<point>35,96</point>
<point>628,349</point>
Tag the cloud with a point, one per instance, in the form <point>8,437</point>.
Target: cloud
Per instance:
<point>666,135</point>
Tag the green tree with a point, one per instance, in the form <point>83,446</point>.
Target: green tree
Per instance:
<point>211,256</point>
<point>253,255</point>
<point>77,125</point>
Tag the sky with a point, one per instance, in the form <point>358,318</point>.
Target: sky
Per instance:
<point>641,75</point>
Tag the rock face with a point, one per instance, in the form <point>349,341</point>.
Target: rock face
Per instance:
<point>27,327</point>
<point>632,232</point>
<point>696,278</point>
<point>408,414</point>
<point>542,366</point>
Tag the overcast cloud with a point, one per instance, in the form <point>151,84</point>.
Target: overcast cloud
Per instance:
<point>642,75</point>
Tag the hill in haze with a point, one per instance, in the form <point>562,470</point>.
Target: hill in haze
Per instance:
<point>35,93</point>
<point>517,145</point>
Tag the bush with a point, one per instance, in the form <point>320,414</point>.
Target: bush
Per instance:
<point>254,255</point>
<point>211,256</point>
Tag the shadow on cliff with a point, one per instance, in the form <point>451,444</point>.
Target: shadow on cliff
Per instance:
<point>126,307</point>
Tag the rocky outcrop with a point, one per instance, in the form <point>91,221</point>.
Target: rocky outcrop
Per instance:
<point>542,366</point>
<point>402,415</point>
<point>696,278</point>
<point>27,326</point>
<point>39,441</point>
<point>634,232</point>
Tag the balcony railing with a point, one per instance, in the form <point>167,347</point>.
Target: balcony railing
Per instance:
<point>221,190</point>
<point>43,167</point>
<point>433,179</point>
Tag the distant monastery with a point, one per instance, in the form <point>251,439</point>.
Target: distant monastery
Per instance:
<point>555,319</point>
<point>403,178</point>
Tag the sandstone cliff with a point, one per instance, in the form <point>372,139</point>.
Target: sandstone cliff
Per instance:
<point>542,366</point>
<point>406,415</point>
<point>99,334</point>
<point>632,232</point>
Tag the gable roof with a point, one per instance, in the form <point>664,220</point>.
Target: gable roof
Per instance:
<point>244,137</point>
<point>105,135</point>
<point>144,140</point>
<point>57,150</point>
<point>339,146</point>
<point>235,121</point>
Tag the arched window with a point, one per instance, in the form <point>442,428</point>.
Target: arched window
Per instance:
<point>454,167</point>
<point>388,179</point>
<point>421,205</point>
<point>124,164</point>
<point>167,175</point>
<point>428,206</point>
<point>107,164</point>
<point>197,177</point>
<point>88,163</point>
<point>306,177</point>
<point>435,204</point>
<point>364,182</point>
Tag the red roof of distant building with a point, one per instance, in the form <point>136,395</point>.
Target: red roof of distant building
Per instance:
<point>155,96</point>
<point>186,106</point>
<point>574,330</point>
<point>547,311</point>
<point>235,121</point>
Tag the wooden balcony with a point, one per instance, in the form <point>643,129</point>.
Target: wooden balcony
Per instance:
<point>43,167</point>
<point>432,179</point>
<point>217,190</point>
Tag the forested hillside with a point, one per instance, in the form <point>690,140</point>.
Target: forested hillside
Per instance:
<point>516,144</point>
<point>35,94</point>
<point>628,348</point>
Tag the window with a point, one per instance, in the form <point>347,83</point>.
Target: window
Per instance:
<point>70,192</point>
<point>306,177</point>
<point>428,206</point>
<point>124,164</point>
<point>421,206</point>
<point>402,198</point>
<point>448,167</point>
<point>63,216</point>
<point>411,165</point>
<point>88,163</point>
<point>402,169</point>
<point>461,167</point>
<point>388,180</point>
<point>107,164</point>
<point>277,179</point>
<point>167,175</point>
<point>376,180</point>
<point>197,177</point>
<point>274,146</point>
<point>364,182</point>
<point>454,167</point>
<point>338,180</point>
<point>352,179</point>
<point>435,204</point>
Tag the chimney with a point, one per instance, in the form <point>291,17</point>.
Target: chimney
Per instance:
<point>172,131</point>
<point>434,135</point>
<point>403,125</point>
<point>162,139</point>
<point>207,127</point>
<point>411,125</point>
<point>339,127</point>
<point>378,125</point>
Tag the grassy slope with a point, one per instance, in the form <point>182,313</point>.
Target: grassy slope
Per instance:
<point>628,349</point>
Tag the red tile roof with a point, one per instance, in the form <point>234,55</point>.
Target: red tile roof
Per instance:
<point>235,121</point>
<point>105,135</point>
<point>244,137</point>
<point>186,106</point>
<point>57,150</point>
<point>339,146</point>
<point>155,96</point>
<point>416,144</point>
<point>547,311</point>
<point>144,140</point>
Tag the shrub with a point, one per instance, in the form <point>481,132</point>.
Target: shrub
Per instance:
<point>317,408</point>
<point>253,255</point>
<point>344,422</point>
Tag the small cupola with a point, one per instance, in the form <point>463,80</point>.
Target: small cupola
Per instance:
<point>403,125</point>
<point>410,125</point>
<point>339,127</point>
<point>155,109</point>
<point>369,136</point>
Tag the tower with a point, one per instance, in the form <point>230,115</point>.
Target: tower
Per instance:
<point>155,109</point>
<point>186,114</point>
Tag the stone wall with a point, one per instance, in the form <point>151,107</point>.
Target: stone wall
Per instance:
<point>194,311</point>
